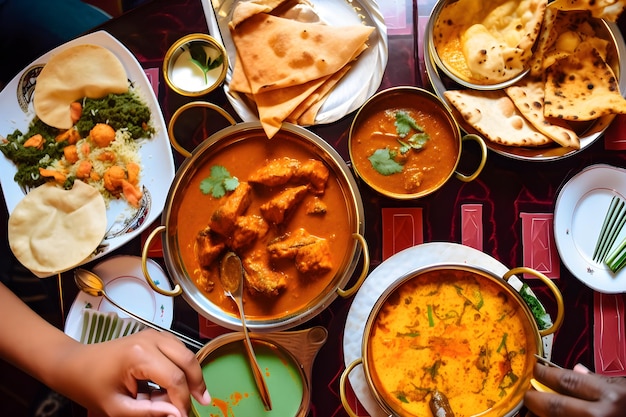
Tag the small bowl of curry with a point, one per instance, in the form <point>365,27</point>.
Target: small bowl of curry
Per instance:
<point>484,46</point>
<point>405,144</point>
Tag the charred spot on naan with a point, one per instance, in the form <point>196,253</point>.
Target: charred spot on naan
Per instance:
<point>582,86</point>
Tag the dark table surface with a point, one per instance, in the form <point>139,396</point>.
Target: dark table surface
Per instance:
<point>507,189</point>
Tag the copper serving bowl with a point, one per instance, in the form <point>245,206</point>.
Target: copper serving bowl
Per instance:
<point>188,211</point>
<point>423,171</point>
<point>468,334</point>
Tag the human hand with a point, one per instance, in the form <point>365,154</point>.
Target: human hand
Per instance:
<point>580,393</point>
<point>112,371</point>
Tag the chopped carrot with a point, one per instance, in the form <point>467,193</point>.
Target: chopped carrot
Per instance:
<point>107,156</point>
<point>76,110</point>
<point>131,193</point>
<point>35,141</point>
<point>70,135</point>
<point>59,177</point>
<point>132,169</point>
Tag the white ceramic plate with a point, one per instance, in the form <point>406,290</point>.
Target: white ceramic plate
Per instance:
<point>579,212</point>
<point>398,266</point>
<point>124,282</point>
<point>123,224</point>
<point>355,88</point>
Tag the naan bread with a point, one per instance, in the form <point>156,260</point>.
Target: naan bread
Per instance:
<point>582,86</point>
<point>528,97</point>
<point>602,9</point>
<point>278,53</point>
<point>246,9</point>
<point>496,37</point>
<point>52,230</point>
<point>80,71</point>
<point>493,114</point>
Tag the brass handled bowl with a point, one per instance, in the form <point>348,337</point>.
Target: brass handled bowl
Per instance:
<point>335,215</point>
<point>457,329</point>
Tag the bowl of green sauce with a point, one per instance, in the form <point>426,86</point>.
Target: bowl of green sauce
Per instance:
<point>286,361</point>
<point>195,65</point>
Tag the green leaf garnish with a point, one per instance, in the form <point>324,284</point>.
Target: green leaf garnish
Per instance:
<point>404,123</point>
<point>383,161</point>
<point>219,182</point>
<point>417,142</point>
<point>204,62</point>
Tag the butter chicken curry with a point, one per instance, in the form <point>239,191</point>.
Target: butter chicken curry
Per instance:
<point>283,211</point>
<point>404,145</point>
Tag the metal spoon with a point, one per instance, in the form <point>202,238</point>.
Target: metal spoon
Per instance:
<point>231,277</point>
<point>91,284</point>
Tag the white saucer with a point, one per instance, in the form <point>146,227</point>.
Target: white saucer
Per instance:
<point>124,282</point>
<point>579,212</point>
<point>397,266</point>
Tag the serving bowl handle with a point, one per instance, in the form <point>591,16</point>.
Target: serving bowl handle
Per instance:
<point>170,126</point>
<point>144,266</point>
<point>560,314</point>
<point>483,158</point>
<point>342,386</point>
<point>366,266</point>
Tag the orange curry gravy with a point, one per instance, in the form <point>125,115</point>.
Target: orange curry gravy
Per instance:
<point>457,332</point>
<point>423,170</point>
<point>242,158</point>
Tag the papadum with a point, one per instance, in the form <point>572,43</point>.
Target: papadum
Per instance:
<point>52,229</point>
<point>80,71</point>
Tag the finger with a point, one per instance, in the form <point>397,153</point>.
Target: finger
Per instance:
<point>585,386</point>
<point>187,361</point>
<point>148,407</point>
<point>544,404</point>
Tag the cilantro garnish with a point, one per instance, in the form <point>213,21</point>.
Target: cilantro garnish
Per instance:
<point>219,182</point>
<point>404,124</point>
<point>200,58</point>
<point>383,161</point>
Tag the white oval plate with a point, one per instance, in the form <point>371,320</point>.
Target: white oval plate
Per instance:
<point>124,282</point>
<point>397,266</point>
<point>355,88</point>
<point>579,212</point>
<point>157,161</point>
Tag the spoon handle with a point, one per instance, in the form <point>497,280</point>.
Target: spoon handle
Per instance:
<point>256,369</point>
<point>185,339</point>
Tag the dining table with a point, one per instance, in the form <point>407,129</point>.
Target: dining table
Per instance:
<point>507,212</point>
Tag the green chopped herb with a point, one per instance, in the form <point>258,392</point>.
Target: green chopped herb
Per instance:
<point>431,320</point>
<point>383,161</point>
<point>404,124</point>
<point>502,342</point>
<point>542,318</point>
<point>202,60</point>
<point>219,182</point>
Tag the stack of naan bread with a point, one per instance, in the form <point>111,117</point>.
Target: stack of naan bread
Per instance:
<point>288,66</point>
<point>569,82</point>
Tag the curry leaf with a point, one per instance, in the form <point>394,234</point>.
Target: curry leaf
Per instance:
<point>202,60</point>
<point>219,182</point>
<point>383,161</point>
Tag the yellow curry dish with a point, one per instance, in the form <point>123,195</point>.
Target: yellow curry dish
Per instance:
<point>455,332</point>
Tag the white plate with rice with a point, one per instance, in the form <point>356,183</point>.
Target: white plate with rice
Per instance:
<point>157,163</point>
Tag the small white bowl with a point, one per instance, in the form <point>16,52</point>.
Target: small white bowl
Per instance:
<point>187,78</point>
